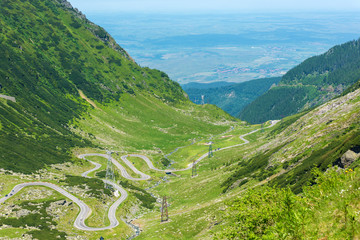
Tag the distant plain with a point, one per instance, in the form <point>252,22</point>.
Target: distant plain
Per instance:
<point>234,47</point>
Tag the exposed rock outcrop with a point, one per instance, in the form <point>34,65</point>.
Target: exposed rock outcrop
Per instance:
<point>348,158</point>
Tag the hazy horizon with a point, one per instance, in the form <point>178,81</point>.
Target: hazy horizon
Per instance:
<point>226,47</point>
<point>231,40</point>
<point>213,6</point>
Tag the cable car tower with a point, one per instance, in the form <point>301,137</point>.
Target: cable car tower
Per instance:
<point>194,170</point>
<point>164,210</point>
<point>109,171</point>
<point>211,154</point>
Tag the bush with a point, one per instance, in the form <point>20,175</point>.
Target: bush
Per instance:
<point>40,220</point>
<point>255,167</point>
<point>96,185</point>
<point>146,199</point>
<point>322,158</point>
<point>329,209</point>
<point>165,162</point>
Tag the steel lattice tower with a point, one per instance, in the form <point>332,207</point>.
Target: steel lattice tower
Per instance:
<point>164,210</point>
<point>109,172</point>
<point>194,170</point>
<point>211,154</point>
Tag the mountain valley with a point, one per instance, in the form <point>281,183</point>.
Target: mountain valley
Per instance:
<point>94,146</point>
<point>231,97</point>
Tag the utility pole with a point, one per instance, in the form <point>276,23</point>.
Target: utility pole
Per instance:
<point>262,127</point>
<point>164,210</point>
<point>109,171</point>
<point>210,151</point>
<point>194,170</point>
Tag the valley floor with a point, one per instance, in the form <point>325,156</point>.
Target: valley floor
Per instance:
<point>244,158</point>
<point>233,138</point>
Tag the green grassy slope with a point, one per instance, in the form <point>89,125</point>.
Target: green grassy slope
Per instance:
<point>231,98</point>
<point>316,139</point>
<point>50,52</point>
<point>315,81</point>
<point>144,123</point>
<point>53,51</point>
<point>280,157</point>
<point>326,210</point>
<point>77,90</point>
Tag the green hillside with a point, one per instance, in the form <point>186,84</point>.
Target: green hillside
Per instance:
<point>312,191</point>
<point>315,81</point>
<point>275,186</point>
<point>49,53</point>
<point>231,97</point>
<point>66,88</point>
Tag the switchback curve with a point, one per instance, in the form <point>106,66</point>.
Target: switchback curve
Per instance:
<point>85,210</point>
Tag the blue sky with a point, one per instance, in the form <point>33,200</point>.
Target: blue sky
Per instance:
<point>190,6</point>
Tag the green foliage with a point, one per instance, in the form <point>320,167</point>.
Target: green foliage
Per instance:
<point>351,88</point>
<point>47,233</point>
<point>315,81</point>
<point>29,144</point>
<point>199,85</point>
<point>146,199</point>
<point>101,174</point>
<point>96,186</point>
<point>253,214</point>
<point>148,123</point>
<point>40,220</point>
<point>278,102</point>
<point>322,158</point>
<point>165,162</point>
<point>328,210</point>
<point>48,53</point>
<point>254,168</point>
<point>285,122</point>
<point>341,64</point>
<point>231,98</point>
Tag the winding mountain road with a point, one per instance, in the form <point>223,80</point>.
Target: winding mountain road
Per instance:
<point>85,211</point>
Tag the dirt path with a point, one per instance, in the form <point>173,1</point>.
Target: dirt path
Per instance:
<point>82,95</point>
<point>8,98</point>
